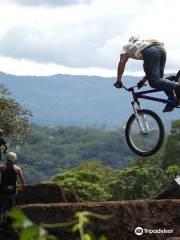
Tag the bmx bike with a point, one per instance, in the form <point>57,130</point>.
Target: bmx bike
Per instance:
<point>144,130</point>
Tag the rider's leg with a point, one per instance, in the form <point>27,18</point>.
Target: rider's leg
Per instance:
<point>11,201</point>
<point>2,209</point>
<point>154,68</point>
<point>162,65</point>
<point>162,62</point>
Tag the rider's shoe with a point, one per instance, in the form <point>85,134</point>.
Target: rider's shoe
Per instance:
<point>171,78</point>
<point>169,107</point>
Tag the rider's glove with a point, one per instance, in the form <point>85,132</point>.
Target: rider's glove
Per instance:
<point>118,84</point>
<point>140,84</point>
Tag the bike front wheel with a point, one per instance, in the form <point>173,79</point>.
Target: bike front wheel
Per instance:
<point>145,132</point>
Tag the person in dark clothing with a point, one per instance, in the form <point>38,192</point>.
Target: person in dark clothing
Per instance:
<point>10,172</point>
<point>2,144</point>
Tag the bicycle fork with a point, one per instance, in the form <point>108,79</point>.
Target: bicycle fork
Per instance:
<point>141,120</point>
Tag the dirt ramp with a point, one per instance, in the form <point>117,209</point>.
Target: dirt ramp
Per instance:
<point>45,193</point>
<point>159,220</point>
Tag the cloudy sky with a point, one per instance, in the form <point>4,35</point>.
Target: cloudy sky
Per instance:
<point>43,37</point>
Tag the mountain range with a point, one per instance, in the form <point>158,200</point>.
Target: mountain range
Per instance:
<point>77,100</point>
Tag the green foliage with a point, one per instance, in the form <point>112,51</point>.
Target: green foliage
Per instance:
<point>29,230</point>
<point>52,150</point>
<point>13,116</point>
<point>170,173</point>
<point>154,160</point>
<point>136,183</point>
<point>172,150</point>
<point>104,183</point>
<point>83,220</point>
<point>90,180</point>
<point>32,231</point>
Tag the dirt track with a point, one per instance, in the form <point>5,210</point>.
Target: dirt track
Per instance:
<point>126,216</point>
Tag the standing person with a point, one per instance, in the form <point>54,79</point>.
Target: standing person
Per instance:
<point>10,172</point>
<point>2,143</point>
<point>153,54</point>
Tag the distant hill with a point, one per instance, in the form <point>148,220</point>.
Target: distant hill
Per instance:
<point>76,100</point>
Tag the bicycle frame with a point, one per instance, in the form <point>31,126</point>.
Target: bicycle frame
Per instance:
<point>142,94</point>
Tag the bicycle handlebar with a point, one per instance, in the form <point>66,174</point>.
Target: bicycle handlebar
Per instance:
<point>132,88</point>
<point>129,89</point>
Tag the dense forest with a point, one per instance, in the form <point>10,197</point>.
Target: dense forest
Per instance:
<point>48,151</point>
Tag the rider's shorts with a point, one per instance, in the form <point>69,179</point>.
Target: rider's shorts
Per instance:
<point>7,202</point>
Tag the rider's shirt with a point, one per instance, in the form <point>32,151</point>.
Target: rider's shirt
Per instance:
<point>134,50</point>
<point>8,179</point>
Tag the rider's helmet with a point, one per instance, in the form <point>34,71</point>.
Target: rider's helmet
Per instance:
<point>11,156</point>
<point>134,39</point>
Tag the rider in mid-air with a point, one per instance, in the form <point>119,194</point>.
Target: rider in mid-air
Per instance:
<point>153,54</point>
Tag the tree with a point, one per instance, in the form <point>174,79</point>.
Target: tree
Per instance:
<point>136,183</point>
<point>89,180</point>
<point>13,116</point>
<point>172,150</point>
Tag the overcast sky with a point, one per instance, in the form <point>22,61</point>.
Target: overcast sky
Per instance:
<point>43,37</point>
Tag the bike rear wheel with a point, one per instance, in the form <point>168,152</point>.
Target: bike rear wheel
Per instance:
<point>145,134</point>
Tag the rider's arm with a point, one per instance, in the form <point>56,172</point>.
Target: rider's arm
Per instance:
<point>21,177</point>
<point>145,79</point>
<point>121,68</point>
<point>141,83</point>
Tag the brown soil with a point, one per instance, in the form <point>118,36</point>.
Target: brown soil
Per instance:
<point>49,205</point>
<point>45,193</point>
<point>125,217</point>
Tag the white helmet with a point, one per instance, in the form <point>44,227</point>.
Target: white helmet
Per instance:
<point>134,38</point>
<point>11,156</point>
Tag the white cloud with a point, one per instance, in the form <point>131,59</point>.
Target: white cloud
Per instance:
<point>47,2</point>
<point>25,67</point>
<point>86,36</point>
